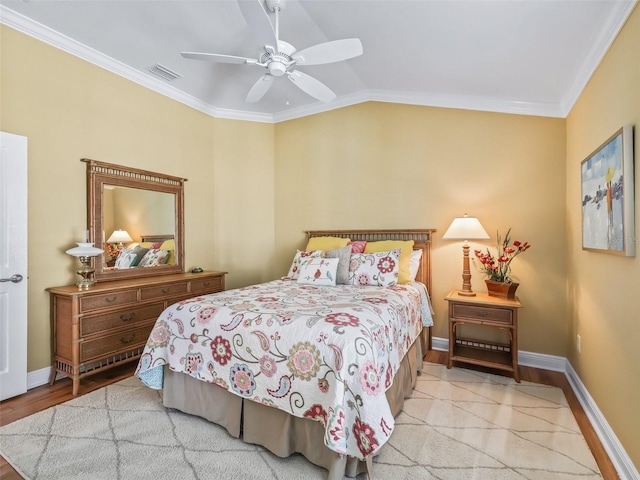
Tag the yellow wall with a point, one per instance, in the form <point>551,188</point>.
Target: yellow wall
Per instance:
<point>603,288</point>
<point>254,188</point>
<point>381,165</point>
<point>70,109</point>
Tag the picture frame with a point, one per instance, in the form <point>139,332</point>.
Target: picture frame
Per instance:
<point>608,196</point>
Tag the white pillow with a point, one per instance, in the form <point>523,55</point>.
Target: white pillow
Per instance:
<point>318,271</point>
<point>414,263</point>
<point>154,257</point>
<point>125,258</point>
<point>297,259</point>
<point>379,268</point>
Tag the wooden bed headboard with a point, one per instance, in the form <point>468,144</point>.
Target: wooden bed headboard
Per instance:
<point>156,238</point>
<point>421,238</point>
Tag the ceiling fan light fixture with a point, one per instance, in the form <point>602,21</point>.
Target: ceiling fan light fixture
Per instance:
<point>277,69</point>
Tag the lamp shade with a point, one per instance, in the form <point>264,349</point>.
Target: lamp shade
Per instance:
<point>119,236</point>
<point>85,250</point>
<point>465,228</point>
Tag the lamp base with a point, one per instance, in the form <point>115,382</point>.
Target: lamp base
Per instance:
<point>86,272</point>
<point>464,293</point>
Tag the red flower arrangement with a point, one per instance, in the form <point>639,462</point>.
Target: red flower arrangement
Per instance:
<point>498,268</point>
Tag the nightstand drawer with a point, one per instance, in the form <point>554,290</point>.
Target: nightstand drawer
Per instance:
<point>209,284</point>
<point>477,312</point>
<point>127,340</point>
<point>123,318</point>
<point>162,291</point>
<point>95,302</point>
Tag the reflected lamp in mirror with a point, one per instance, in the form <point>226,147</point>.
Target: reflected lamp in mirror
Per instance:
<point>116,240</point>
<point>84,252</point>
<point>466,228</point>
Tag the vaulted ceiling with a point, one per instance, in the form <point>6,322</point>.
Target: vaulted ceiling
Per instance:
<point>529,56</point>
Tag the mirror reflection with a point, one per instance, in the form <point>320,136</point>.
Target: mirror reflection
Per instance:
<point>137,217</point>
<point>138,223</point>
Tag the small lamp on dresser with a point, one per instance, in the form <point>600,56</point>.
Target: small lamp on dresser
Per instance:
<point>466,228</point>
<point>84,251</point>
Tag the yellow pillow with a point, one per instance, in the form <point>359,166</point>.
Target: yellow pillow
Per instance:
<point>171,246</point>
<point>405,246</point>
<point>326,243</point>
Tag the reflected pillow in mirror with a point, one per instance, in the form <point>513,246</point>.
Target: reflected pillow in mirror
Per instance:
<point>140,253</point>
<point>125,258</point>
<point>154,257</point>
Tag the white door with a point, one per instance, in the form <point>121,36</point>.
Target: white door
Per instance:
<point>13,265</point>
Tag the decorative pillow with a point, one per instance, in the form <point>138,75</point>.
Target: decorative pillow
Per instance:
<point>414,264</point>
<point>154,257</point>
<point>358,246</point>
<point>378,268</point>
<point>405,246</point>
<point>140,252</point>
<point>319,271</point>
<point>125,258</point>
<point>299,256</point>
<point>326,243</point>
<point>171,246</point>
<point>344,255</point>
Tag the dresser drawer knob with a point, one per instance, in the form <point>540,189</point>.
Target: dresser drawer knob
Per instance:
<point>126,318</point>
<point>206,284</point>
<point>128,340</point>
<point>166,290</point>
<point>111,299</point>
<point>482,314</point>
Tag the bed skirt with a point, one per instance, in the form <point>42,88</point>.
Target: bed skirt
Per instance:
<point>274,429</point>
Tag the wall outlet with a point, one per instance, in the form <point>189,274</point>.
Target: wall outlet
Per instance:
<point>579,343</point>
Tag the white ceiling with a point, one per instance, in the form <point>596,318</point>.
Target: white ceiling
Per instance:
<point>516,56</point>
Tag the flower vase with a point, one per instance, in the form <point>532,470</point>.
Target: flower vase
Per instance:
<point>502,289</point>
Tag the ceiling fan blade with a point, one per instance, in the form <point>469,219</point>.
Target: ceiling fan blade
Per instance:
<point>313,87</point>
<point>215,57</point>
<point>329,52</point>
<point>259,88</point>
<point>258,20</point>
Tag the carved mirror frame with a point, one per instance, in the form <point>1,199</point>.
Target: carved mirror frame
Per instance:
<point>101,174</point>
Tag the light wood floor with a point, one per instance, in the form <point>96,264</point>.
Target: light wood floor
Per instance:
<point>46,396</point>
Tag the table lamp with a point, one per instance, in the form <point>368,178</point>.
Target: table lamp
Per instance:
<point>465,228</point>
<point>84,252</point>
<point>120,236</point>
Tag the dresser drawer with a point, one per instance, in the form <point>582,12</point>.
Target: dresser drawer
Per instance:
<point>162,291</point>
<point>111,344</point>
<point>123,318</point>
<point>95,302</point>
<point>207,284</point>
<point>502,315</point>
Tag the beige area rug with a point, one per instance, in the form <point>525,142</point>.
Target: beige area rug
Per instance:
<point>458,424</point>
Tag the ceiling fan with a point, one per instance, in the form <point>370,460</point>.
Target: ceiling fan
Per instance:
<point>279,57</point>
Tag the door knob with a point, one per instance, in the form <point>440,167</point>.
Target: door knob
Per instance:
<point>17,278</point>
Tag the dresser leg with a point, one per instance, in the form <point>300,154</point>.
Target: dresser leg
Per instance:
<point>52,375</point>
<point>76,385</point>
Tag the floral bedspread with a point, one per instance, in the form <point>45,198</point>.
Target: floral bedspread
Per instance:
<point>324,353</point>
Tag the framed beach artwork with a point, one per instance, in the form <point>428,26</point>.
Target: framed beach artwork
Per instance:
<point>608,196</point>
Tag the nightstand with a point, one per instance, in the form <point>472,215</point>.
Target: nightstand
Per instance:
<point>485,312</point>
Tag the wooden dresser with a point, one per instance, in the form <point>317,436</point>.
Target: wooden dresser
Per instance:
<point>107,325</point>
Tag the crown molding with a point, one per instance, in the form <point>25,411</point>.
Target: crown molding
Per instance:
<point>592,60</point>
<point>465,102</point>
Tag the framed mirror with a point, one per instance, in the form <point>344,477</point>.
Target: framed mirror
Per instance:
<point>137,218</point>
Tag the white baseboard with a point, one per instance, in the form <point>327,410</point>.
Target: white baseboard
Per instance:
<point>621,461</point>
<point>39,377</point>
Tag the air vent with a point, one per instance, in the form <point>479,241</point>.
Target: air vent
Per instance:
<point>164,72</point>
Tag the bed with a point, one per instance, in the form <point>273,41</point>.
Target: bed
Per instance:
<point>298,367</point>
